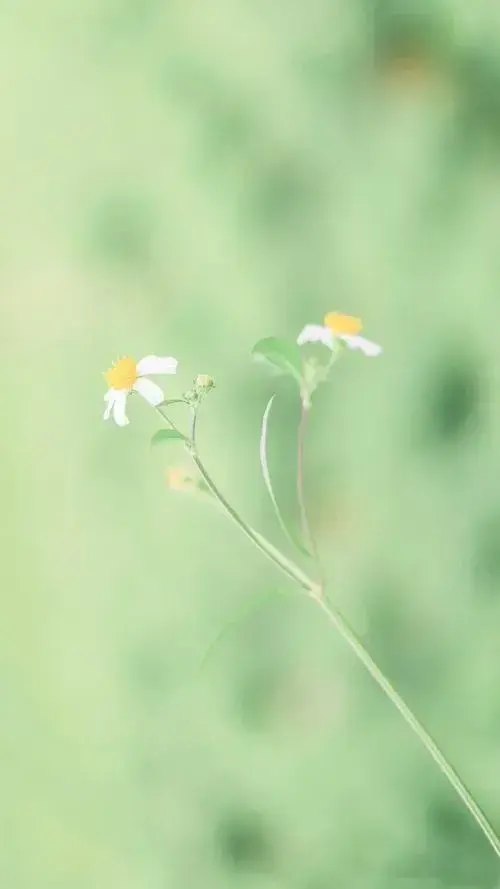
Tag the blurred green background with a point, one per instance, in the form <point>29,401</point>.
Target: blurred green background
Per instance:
<point>185,178</point>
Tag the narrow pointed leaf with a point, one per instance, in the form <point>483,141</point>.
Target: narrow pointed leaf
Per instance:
<point>282,356</point>
<point>166,435</point>
<point>293,538</point>
<point>169,401</point>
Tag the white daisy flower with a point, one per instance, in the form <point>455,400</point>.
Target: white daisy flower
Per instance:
<point>126,376</point>
<point>339,327</point>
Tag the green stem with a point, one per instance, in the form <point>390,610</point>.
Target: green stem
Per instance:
<point>315,592</point>
<point>170,401</point>
<point>304,518</point>
<point>194,418</point>
<point>164,416</point>
<point>287,566</point>
<point>355,643</point>
<point>265,546</point>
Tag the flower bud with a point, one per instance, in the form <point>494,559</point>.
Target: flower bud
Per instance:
<point>178,479</point>
<point>203,383</point>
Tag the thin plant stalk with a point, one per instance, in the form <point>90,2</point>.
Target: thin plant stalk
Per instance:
<point>265,546</point>
<point>304,518</point>
<point>355,643</point>
<point>336,619</point>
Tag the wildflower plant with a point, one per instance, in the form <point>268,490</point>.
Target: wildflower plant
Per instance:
<point>338,334</point>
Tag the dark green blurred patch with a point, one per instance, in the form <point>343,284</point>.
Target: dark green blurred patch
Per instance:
<point>259,690</point>
<point>243,842</point>
<point>230,133</point>
<point>452,400</point>
<point>486,554</point>
<point>229,129</point>
<point>121,231</point>
<point>400,29</point>
<point>424,33</point>
<point>408,653</point>
<point>477,79</point>
<point>456,853</point>
<point>283,196</point>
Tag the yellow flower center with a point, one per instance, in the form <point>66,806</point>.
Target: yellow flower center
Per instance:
<point>342,325</point>
<point>122,375</point>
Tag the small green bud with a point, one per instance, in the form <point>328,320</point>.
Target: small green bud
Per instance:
<point>178,479</point>
<point>204,383</point>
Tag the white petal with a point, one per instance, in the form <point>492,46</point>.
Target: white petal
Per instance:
<point>366,346</point>
<point>149,390</point>
<point>109,398</point>
<point>315,333</point>
<point>152,364</point>
<point>119,403</point>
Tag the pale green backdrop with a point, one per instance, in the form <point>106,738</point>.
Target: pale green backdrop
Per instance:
<point>185,178</point>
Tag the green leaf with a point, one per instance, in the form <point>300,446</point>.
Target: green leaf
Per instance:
<point>164,435</point>
<point>293,538</point>
<point>169,401</point>
<point>283,356</point>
